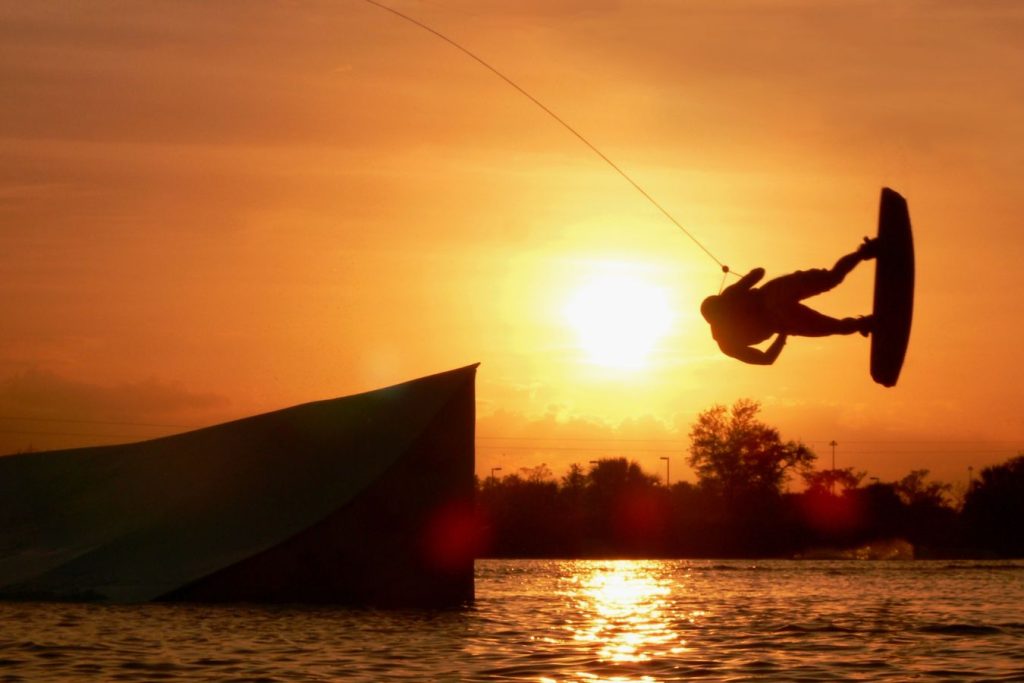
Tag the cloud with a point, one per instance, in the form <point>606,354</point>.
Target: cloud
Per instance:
<point>558,438</point>
<point>44,410</point>
<point>41,393</point>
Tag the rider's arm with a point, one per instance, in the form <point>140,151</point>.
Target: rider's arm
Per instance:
<point>748,354</point>
<point>746,282</point>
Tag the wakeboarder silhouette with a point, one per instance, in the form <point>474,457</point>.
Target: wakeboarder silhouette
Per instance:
<point>744,315</point>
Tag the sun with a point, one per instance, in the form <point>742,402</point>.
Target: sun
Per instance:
<point>618,317</point>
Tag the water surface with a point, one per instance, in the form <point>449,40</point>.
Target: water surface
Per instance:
<point>568,621</point>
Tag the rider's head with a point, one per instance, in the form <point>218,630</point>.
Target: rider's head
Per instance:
<point>709,307</point>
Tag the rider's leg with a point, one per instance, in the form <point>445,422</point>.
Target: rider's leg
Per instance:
<point>806,322</point>
<point>807,283</point>
<point>867,250</point>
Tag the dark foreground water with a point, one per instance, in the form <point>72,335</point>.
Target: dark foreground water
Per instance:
<point>569,621</point>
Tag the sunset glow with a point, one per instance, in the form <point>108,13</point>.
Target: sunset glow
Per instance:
<point>618,317</point>
<point>625,601</point>
<point>584,341</point>
<point>209,212</point>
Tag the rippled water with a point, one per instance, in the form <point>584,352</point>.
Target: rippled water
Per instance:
<point>569,621</point>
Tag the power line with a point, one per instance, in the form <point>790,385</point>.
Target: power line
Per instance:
<point>593,449</point>
<point>680,440</point>
<point>494,442</point>
<point>579,438</point>
<point>987,441</point>
<point>76,434</point>
<point>597,448</point>
<point>488,441</point>
<point>95,422</point>
<point>635,449</point>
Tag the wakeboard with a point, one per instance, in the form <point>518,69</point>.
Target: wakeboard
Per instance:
<point>894,289</point>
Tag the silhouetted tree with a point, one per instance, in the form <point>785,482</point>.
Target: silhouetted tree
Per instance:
<point>523,514</point>
<point>574,482</point>
<point>831,508</point>
<point>697,520</point>
<point>930,521</point>
<point>915,490</point>
<point>832,481</point>
<point>735,454</point>
<point>611,476</point>
<point>572,503</point>
<point>624,505</point>
<point>884,512</point>
<point>742,464</point>
<point>539,474</point>
<point>994,509</point>
<point>737,508</point>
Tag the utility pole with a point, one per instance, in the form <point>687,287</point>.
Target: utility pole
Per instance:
<point>832,479</point>
<point>668,479</point>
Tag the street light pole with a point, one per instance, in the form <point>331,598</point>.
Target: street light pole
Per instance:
<point>832,479</point>
<point>493,470</point>
<point>668,479</point>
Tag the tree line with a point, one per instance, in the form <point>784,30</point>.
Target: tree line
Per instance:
<point>738,507</point>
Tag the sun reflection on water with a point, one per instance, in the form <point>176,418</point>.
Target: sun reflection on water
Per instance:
<point>620,609</point>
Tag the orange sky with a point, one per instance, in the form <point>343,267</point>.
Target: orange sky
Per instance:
<point>214,209</point>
